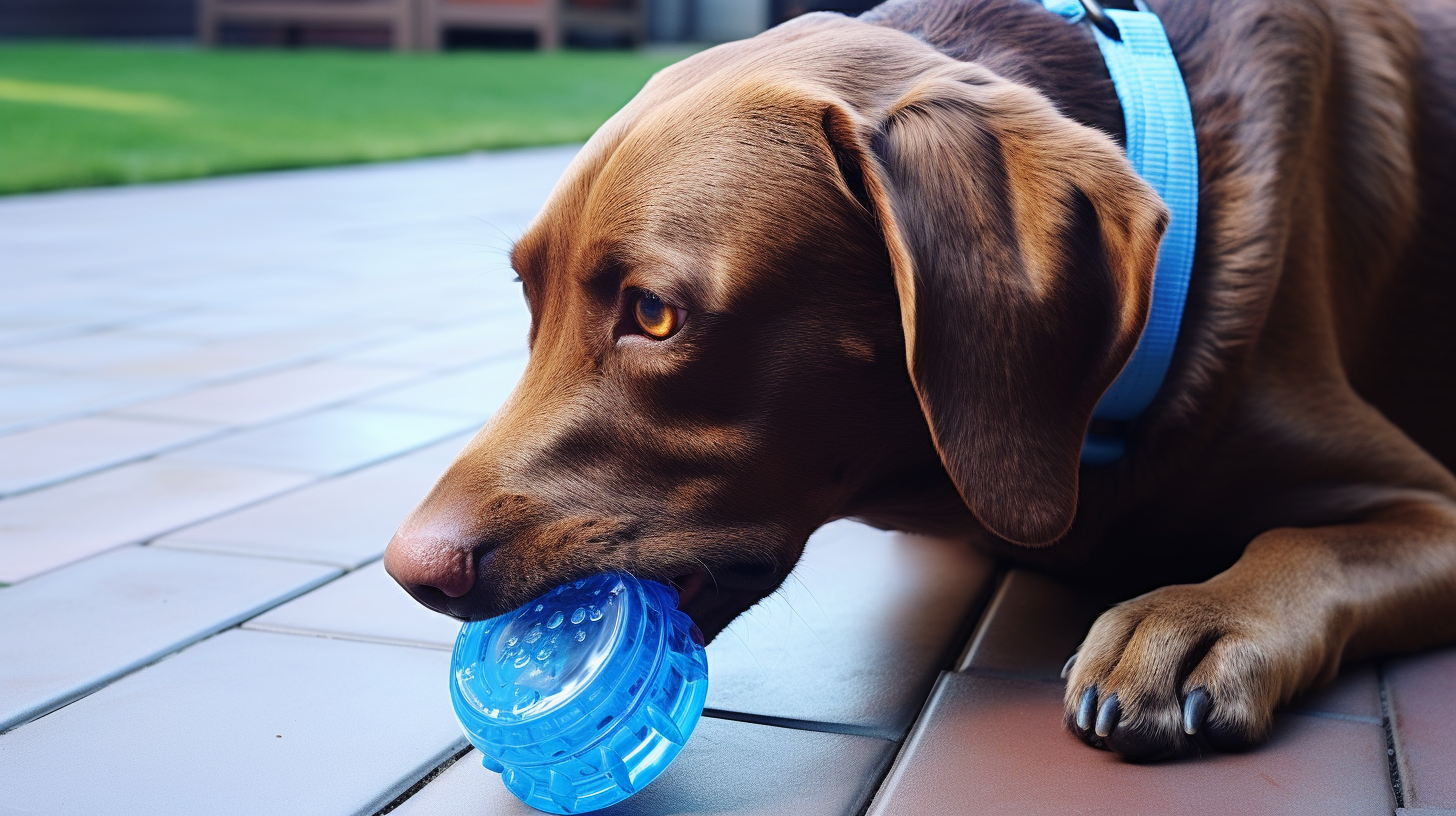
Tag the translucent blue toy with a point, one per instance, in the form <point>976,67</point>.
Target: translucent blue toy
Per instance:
<point>584,695</point>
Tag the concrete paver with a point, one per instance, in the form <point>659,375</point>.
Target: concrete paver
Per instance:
<point>89,352</point>
<point>856,636</point>
<point>502,334</point>
<point>246,723</point>
<point>345,319</point>
<point>474,392</point>
<point>44,398</point>
<point>1422,708</point>
<point>364,605</point>
<point>49,528</point>
<point>726,767</point>
<point>53,453</point>
<point>997,745</point>
<point>345,521</point>
<point>329,441</point>
<point>274,396</point>
<point>72,630</point>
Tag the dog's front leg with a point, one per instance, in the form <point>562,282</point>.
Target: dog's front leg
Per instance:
<point>1196,665</point>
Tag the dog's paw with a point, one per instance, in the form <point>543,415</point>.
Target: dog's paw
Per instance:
<point>1177,671</point>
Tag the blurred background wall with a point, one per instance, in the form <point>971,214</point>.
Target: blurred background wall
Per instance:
<point>103,19</point>
<point>668,20</point>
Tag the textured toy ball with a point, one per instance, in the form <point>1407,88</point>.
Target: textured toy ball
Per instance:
<point>584,695</point>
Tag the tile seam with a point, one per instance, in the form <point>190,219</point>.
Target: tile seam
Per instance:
<point>312,633</point>
<point>1387,722</point>
<point>794,724</point>
<point>894,767</point>
<point>1335,715</point>
<point>977,621</point>
<point>156,657</point>
<point>420,783</point>
<point>199,546</point>
<point>165,392</point>
<point>147,538</point>
<point>322,475</point>
<point>302,632</point>
<point>124,405</point>
<point>422,378</point>
<point>983,617</point>
<point>1006,674</point>
<point>145,457</point>
<point>335,354</point>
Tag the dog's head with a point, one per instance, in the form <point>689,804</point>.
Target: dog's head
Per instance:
<point>825,272</point>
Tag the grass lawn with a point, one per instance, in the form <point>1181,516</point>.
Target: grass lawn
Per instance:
<point>83,114</point>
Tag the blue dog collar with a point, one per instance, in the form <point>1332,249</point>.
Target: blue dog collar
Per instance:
<point>1163,150</point>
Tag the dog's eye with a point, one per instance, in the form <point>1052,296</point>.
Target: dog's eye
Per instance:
<point>657,319</point>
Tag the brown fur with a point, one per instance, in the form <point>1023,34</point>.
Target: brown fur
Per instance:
<point>913,262</point>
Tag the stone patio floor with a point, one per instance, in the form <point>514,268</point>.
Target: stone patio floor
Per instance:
<point>218,398</point>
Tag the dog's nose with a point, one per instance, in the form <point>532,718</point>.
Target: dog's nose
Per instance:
<point>431,567</point>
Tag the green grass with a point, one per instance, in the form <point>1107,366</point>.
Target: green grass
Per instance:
<point>83,115</point>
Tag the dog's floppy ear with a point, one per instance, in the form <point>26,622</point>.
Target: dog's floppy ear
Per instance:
<point>1023,247</point>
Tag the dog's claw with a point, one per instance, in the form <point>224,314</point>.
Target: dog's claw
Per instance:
<point>1107,716</point>
<point>1195,710</point>
<point>1086,708</point>
<point>1067,669</point>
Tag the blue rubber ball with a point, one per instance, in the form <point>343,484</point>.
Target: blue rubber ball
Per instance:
<point>584,695</point>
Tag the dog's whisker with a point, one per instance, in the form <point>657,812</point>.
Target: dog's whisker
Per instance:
<point>503,234</point>
<point>805,620</point>
<point>707,569</point>
<point>749,649</point>
<point>812,596</point>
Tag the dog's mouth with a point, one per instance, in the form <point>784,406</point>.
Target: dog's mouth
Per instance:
<point>713,598</point>
<point>690,585</point>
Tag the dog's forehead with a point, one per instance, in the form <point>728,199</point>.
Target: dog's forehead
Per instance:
<point>693,194</point>
<point>718,156</point>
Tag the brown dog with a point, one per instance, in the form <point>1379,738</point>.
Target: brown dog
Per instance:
<point>842,270</point>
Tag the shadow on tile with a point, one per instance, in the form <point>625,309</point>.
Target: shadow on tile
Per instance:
<point>856,635</point>
<point>997,745</point>
<point>726,767</point>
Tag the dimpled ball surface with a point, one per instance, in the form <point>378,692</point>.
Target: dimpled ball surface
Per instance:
<point>584,695</point>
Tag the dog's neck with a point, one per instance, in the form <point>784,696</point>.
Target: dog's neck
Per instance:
<point>1021,41</point>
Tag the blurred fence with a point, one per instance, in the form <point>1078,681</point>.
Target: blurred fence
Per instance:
<point>667,21</point>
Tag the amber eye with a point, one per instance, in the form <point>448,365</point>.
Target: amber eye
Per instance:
<point>656,318</point>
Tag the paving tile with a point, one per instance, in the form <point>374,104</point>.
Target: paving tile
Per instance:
<point>216,361</point>
<point>366,604</point>
<point>330,441</point>
<point>91,351</point>
<point>1034,623</point>
<point>475,392</point>
<point>856,635</point>
<point>726,767</point>
<point>224,322</point>
<point>1030,628</point>
<point>11,376</point>
<point>273,396</point>
<point>1354,695</point>
<point>67,522</point>
<point>501,334</point>
<point>345,521</point>
<point>58,397</point>
<point>245,722</point>
<point>91,622</point>
<point>997,745</point>
<point>52,453</point>
<point>1423,707</point>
